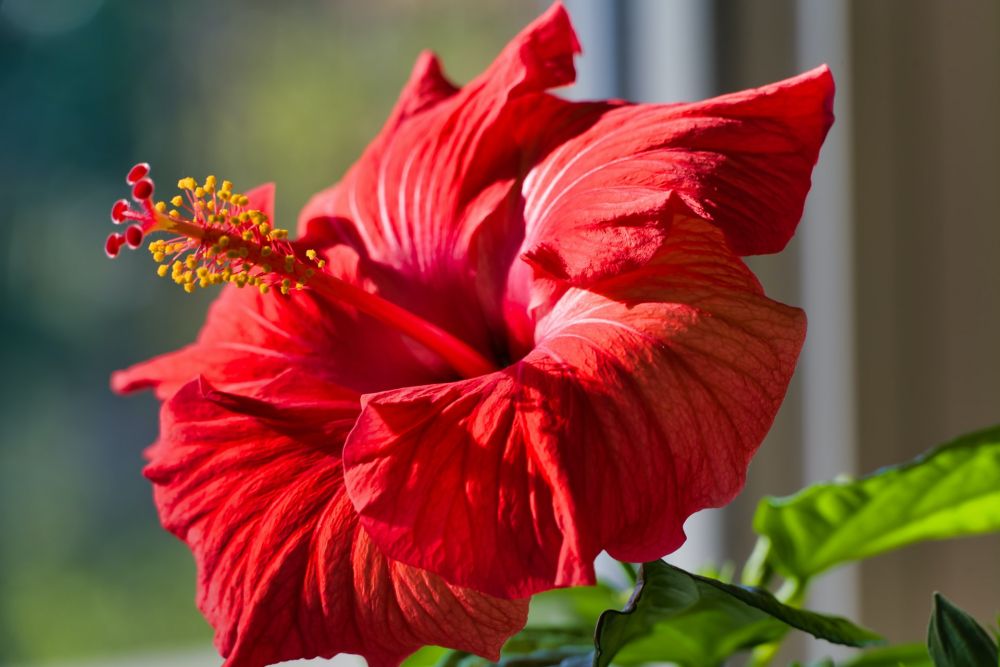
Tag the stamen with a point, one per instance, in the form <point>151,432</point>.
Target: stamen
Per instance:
<point>217,238</point>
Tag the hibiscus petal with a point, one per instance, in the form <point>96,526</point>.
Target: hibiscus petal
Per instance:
<point>612,173</point>
<point>444,164</point>
<point>255,489</point>
<point>250,338</point>
<point>643,401</point>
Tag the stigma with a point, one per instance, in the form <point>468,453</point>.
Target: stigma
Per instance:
<point>212,236</point>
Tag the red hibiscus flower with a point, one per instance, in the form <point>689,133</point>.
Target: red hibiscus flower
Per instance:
<point>517,333</point>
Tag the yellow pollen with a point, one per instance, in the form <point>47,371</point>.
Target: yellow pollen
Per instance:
<point>161,206</point>
<point>177,200</point>
<point>311,254</point>
<point>188,287</point>
<point>161,270</point>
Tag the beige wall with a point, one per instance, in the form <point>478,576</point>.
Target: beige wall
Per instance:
<point>927,229</point>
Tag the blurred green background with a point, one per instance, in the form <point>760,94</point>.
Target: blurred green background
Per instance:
<point>251,91</point>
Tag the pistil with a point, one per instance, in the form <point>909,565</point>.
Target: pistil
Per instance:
<point>216,237</point>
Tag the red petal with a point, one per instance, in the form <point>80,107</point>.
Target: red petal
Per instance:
<point>643,401</point>
<point>443,164</point>
<point>284,569</point>
<point>249,338</point>
<point>600,199</point>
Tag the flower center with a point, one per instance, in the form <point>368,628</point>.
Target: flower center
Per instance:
<point>217,238</point>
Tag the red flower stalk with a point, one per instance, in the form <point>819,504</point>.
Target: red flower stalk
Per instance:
<point>517,333</point>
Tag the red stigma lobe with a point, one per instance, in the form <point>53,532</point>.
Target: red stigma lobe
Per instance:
<point>137,172</point>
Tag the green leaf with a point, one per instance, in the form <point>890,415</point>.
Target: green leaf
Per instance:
<point>532,647</point>
<point>704,638</point>
<point>542,658</point>
<point>956,640</point>
<point>692,620</point>
<point>571,641</point>
<point>560,631</point>
<point>428,655</point>
<point>952,491</point>
<point>904,655</point>
<point>578,606</point>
